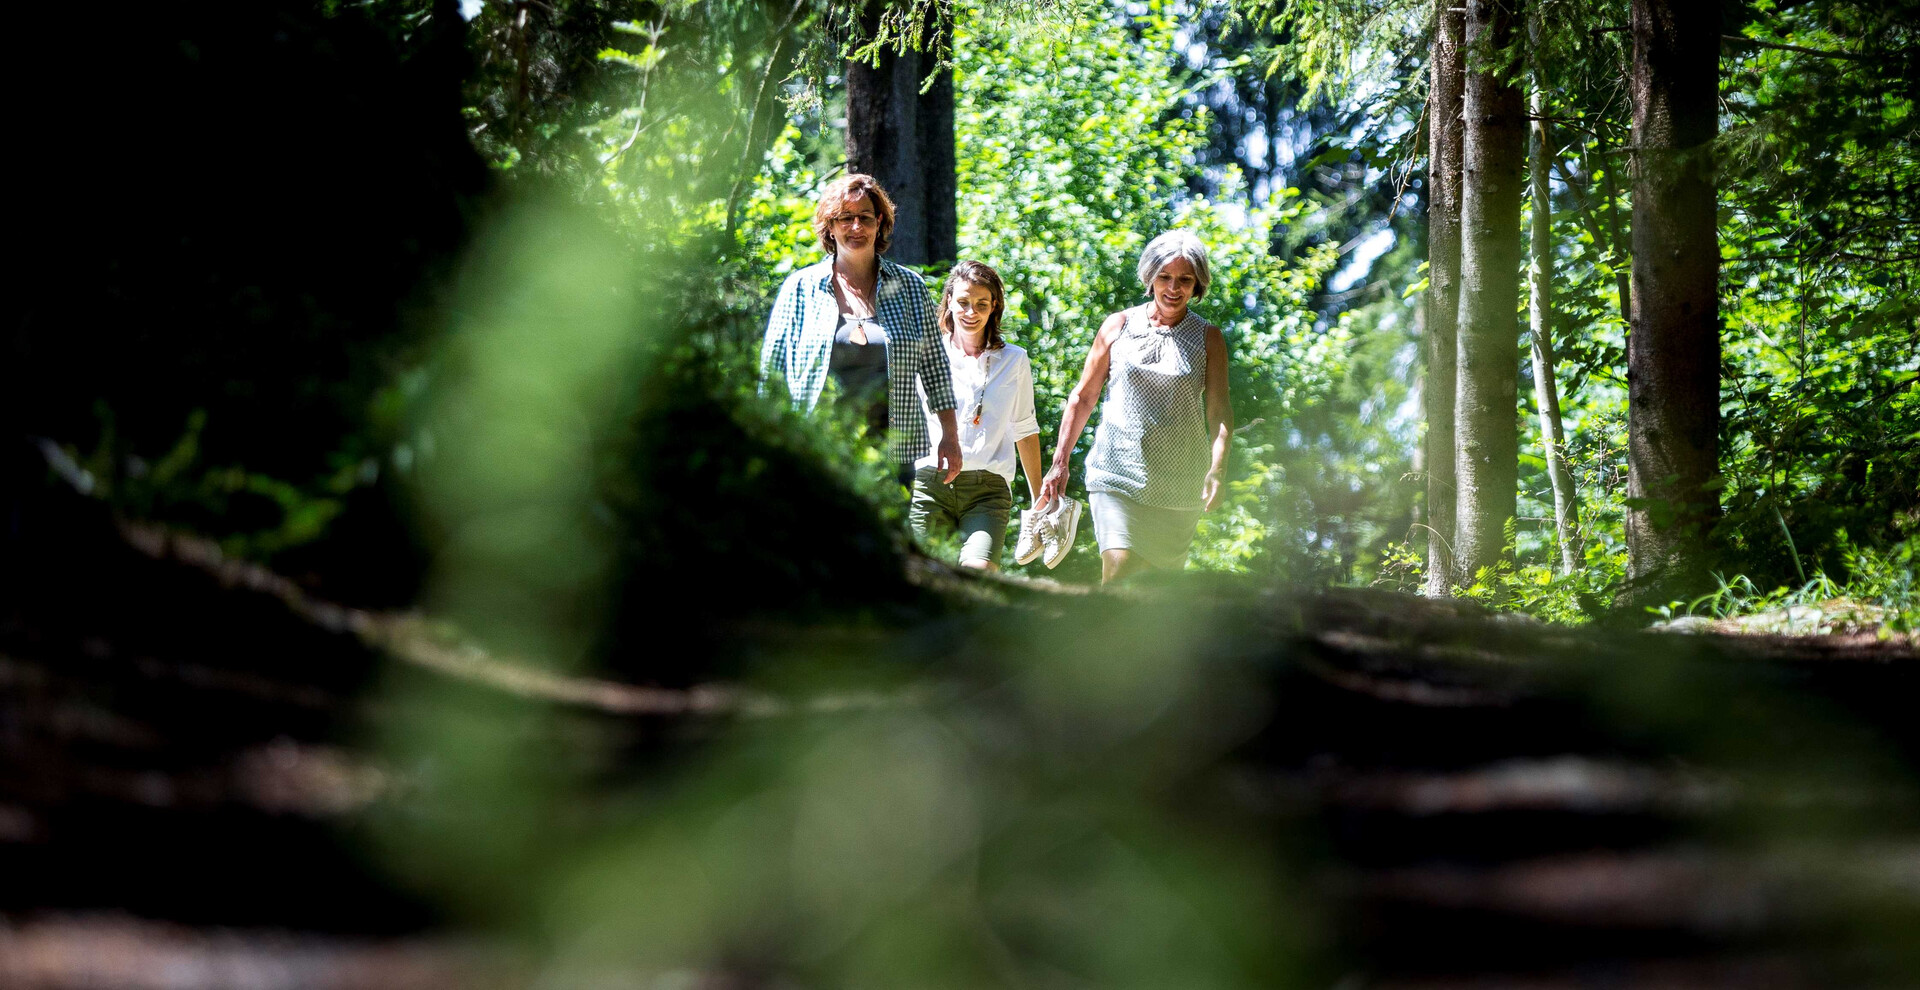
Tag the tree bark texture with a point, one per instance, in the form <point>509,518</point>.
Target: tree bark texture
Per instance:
<point>1673,352</point>
<point>1493,149</point>
<point>1566,509</point>
<point>1443,288</point>
<point>904,138</point>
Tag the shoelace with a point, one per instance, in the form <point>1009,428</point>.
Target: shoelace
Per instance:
<point>1044,530</point>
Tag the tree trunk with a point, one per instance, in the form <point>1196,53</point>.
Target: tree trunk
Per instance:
<point>1443,290</point>
<point>1673,352</point>
<point>904,138</point>
<point>1486,458</point>
<point>1566,510</point>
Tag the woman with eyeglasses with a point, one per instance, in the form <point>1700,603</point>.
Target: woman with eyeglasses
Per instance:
<point>862,327</point>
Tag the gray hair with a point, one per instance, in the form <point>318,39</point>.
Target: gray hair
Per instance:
<point>1176,244</point>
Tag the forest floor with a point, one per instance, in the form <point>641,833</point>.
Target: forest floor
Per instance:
<point>187,786</point>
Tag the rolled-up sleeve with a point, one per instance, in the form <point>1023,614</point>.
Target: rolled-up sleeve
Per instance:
<point>936,376</point>
<point>1023,422</point>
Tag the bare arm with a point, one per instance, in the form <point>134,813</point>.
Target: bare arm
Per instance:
<point>1219,418</point>
<point>1029,450</point>
<point>1027,447</point>
<point>1079,408</point>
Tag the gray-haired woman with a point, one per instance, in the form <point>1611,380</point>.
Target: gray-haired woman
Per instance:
<point>1160,453</point>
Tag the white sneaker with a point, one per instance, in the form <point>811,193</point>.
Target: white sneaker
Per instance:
<point>1062,523</point>
<point>1027,547</point>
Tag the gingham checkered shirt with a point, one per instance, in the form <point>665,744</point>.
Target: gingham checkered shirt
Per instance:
<point>799,345</point>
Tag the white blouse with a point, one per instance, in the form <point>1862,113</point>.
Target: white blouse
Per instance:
<point>993,403</point>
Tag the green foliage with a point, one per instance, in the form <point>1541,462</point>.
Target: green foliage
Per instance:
<point>1821,394</point>
<point>1533,588</point>
<point>1891,579</point>
<point>658,112</point>
<point>1881,597</point>
<point>251,514</point>
<point>1073,153</point>
<point>1820,360</point>
<point>1069,160</point>
<point>1081,132</point>
<point>1342,48</point>
<point>536,79</point>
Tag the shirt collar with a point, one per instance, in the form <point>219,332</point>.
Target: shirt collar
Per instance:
<point>1146,320</point>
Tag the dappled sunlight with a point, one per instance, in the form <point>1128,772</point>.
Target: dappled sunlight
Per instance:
<point>413,572</point>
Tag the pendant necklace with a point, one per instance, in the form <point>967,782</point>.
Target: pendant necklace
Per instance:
<point>983,364</point>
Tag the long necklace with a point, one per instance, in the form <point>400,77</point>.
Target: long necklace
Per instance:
<point>984,362</point>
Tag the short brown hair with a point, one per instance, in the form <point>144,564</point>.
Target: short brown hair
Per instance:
<point>837,192</point>
<point>975,273</point>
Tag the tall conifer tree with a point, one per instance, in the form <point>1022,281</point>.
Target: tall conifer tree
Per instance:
<point>1673,352</point>
<point>904,137</point>
<point>1443,287</point>
<point>1494,147</point>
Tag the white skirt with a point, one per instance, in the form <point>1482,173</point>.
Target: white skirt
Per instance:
<point>1159,536</point>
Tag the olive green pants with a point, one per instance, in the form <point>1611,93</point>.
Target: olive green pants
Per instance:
<point>977,504</point>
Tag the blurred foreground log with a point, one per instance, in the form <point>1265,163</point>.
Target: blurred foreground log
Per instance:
<point>187,782</point>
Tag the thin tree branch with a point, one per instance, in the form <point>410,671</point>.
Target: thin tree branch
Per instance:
<point>783,44</point>
<point>1734,39</point>
<point>1848,255</point>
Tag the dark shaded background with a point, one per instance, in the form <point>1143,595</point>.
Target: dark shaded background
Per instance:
<point>235,211</point>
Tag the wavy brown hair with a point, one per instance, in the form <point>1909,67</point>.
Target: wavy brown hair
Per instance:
<point>975,273</point>
<point>835,196</point>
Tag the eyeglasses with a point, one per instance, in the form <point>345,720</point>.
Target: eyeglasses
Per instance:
<point>866,220</point>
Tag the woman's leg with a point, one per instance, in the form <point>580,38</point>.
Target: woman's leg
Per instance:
<point>931,511</point>
<point>1113,530</point>
<point>986,503</point>
<point>1121,563</point>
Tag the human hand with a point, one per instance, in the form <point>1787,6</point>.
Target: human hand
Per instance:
<point>948,457</point>
<point>1210,491</point>
<point>1052,486</point>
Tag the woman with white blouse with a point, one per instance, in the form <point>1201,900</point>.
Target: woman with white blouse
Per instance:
<point>993,408</point>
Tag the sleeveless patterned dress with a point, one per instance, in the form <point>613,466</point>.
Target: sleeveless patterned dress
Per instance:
<point>1152,444</point>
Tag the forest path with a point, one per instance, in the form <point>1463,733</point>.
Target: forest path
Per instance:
<point>187,786</point>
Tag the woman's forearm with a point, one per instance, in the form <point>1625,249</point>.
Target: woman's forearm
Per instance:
<point>1222,446</point>
<point>1073,419</point>
<point>1079,408</point>
<point>1029,450</point>
<point>1219,403</point>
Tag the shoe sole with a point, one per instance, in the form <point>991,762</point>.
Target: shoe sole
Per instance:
<point>1071,508</point>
